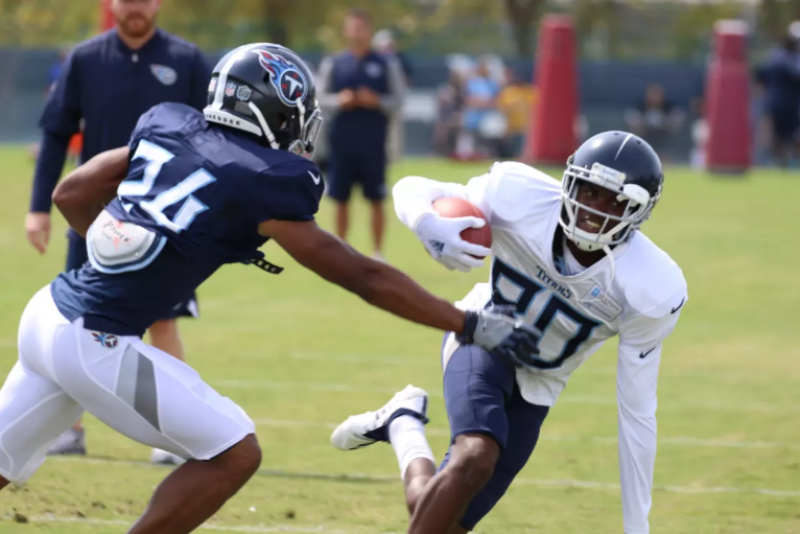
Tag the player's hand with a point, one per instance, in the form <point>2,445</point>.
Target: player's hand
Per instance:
<point>347,99</point>
<point>441,236</point>
<point>37,228</point>
<point>501,335</point>
<point>367,98</point>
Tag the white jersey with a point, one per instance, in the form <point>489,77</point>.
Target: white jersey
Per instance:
<point>576,314</point>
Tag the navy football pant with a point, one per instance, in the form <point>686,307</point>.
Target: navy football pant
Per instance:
<point>482,397</point>
<point>77,256</point>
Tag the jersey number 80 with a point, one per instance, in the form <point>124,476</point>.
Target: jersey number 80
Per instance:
<point>528,289</point>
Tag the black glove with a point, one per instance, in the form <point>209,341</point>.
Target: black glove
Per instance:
<point>501,336</point>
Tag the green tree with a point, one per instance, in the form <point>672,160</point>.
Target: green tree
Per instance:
<point>597,23</point>
<point>45,23</point>
<point>521,16</point>
<point>694,27</point>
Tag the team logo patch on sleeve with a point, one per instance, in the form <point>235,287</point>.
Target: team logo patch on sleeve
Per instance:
<point>164,74</point>
<point>109,341</point>
<point>290,83</point>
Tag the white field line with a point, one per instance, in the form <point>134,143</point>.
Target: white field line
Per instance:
<point>364,478</point>
<point>435,360</point>
<point>678,440</point>
<point>49,518</point>
<point>744,406</point>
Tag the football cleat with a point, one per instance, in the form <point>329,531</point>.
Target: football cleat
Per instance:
<point>71,442</point>
<point>162,457</point>
<point>367,428</point>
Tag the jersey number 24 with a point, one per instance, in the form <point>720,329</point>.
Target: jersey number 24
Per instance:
<point>156,158</point>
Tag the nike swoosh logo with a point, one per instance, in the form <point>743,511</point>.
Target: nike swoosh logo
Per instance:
<point>317,179</point>
<point>643,355</point>
<point>679,306</point>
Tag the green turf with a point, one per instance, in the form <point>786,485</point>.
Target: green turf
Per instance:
<point>299,355</point>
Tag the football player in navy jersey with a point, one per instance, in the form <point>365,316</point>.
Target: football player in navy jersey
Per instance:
<point>105,85</point>
<point>192,192</point>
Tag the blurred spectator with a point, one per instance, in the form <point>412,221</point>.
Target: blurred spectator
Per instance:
<point>516,102</point>
<point>480,104</point>
<point>450,104</point>
<point>359,90</point>
<point>779,76</point>
<point>384,43</point>
<point>655,119</point>
<point>55,70</point>
<point>76,143</point>
<point>761,125</point>
<point>699,133</point>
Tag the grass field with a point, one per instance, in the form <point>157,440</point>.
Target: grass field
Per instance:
<point>300,355</point>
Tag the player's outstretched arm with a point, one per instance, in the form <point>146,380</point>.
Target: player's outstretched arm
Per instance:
<point>387,288</point>
<point>80,196</point>
<point>377,283</point>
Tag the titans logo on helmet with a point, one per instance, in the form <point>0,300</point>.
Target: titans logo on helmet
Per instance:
<point>287,79</point>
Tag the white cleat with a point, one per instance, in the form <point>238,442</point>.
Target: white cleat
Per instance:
<point>162,457</point>
<point>71,442</point>
<point>370,427</point>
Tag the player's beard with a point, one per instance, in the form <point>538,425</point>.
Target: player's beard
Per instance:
<point>136,26</point>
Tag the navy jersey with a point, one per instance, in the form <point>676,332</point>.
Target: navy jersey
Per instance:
<point>107,86</point>
<point>202,190</point>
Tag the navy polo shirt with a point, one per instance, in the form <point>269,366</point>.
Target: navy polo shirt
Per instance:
<point>108,86</point>
<point>360,130</point>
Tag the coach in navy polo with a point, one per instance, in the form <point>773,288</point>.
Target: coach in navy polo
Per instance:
<point>359,90</point>
<point>105,85</point>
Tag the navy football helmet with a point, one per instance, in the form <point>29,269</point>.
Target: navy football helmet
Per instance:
<point>268,91</point>
<point>623,163</point>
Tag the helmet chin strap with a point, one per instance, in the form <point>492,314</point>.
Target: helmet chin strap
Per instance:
<point>264,127</point>
<point>610,254</point>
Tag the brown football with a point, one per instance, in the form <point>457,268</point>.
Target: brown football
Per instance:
<point>457,207</point>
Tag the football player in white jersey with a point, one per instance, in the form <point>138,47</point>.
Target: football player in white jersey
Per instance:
<point>569,259</point>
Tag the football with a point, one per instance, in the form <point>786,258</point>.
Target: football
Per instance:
<point>457,207</point>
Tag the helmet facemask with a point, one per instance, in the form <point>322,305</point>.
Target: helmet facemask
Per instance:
<point>308,129</point>
<point>614,229</point>
<point>297,134</point>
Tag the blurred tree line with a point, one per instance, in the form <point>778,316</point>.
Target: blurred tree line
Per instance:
<point>607,29</point>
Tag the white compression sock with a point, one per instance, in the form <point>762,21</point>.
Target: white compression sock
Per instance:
<point>407,436</point>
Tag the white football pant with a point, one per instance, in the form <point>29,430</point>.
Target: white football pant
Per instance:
<point>139,390</point>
